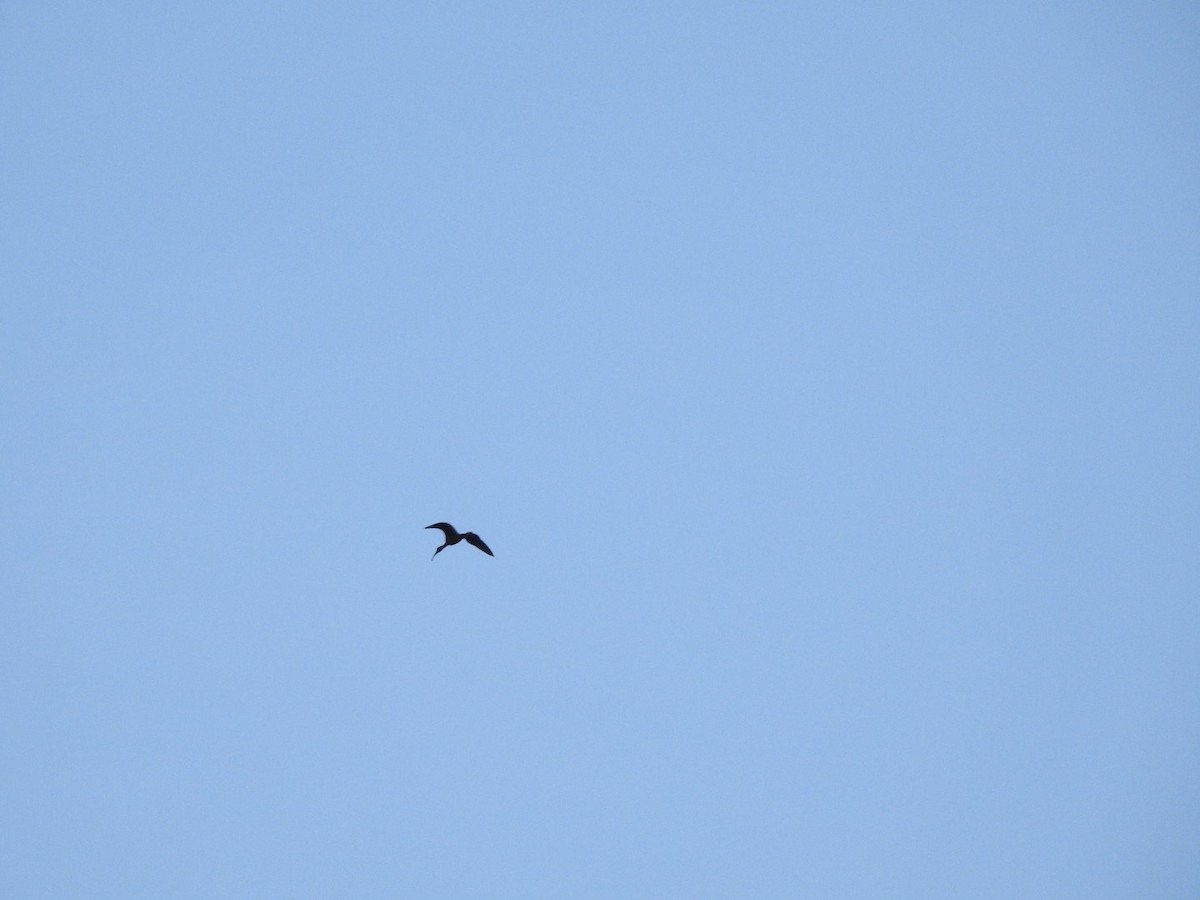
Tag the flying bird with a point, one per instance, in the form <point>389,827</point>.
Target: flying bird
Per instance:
<point>453,537</point>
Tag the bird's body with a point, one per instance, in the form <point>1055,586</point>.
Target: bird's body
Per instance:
<point>453,537</point>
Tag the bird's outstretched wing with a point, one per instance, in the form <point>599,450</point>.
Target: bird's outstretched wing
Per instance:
<point>475,541</point>
<point>447,529</point>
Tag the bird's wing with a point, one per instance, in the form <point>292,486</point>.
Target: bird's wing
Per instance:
<point>447,529</point>
<point>475,541</point>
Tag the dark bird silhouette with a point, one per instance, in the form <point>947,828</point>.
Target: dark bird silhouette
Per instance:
<point>453,537</point>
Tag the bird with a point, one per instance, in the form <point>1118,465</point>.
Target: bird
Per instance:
<point>453,537</point>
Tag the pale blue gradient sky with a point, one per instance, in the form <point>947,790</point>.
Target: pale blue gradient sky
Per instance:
<point>823,376</point>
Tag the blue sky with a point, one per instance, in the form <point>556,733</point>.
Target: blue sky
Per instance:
<point>823,377</point>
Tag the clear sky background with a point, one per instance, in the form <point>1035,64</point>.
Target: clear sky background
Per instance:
<point>824,377</point>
